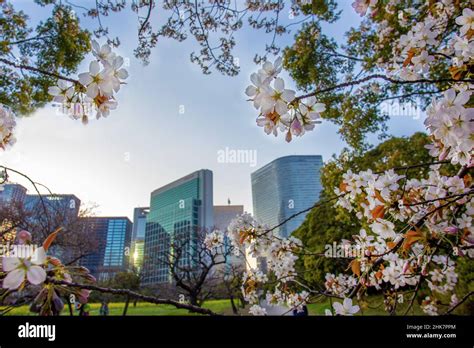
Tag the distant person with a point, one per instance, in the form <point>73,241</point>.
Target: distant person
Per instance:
<point>104,309</point>
<point>302,313</point>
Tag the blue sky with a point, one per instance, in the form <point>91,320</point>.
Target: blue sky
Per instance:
<point>146,143</point>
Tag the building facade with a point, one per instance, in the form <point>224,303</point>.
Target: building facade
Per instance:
<point>178,211</point>
<point>138,236</point>
<point>12,193</point>
<point>223,215</point>
<point>284,187</point>
<point>111,254</point>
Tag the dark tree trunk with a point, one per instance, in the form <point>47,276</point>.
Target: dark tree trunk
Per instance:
<point>242,302</point>
<point>193,299</point>
<point>71,312</point>
<point>234,307</point>
<point>127,302</point>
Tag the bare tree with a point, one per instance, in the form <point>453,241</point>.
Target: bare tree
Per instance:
<point>232,286</point>
<point>40,219</point>
<point>193,268</point>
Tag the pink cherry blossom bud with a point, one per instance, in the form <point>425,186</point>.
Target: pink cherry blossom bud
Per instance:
<point>451,230</point>
<point>367,253</point>
<point>24,236</point>
<point>424,271</point>
<point>406,266</point>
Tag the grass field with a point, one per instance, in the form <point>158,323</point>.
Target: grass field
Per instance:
<point>218,306</point>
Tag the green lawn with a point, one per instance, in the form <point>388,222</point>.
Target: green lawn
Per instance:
<point>116,308</point>
<point>218,306</point>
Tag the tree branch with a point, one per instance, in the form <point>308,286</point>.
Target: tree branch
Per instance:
<point>377,76</point>
<point>31,68</point>
<point>150,299</point>
<point>452,308</point>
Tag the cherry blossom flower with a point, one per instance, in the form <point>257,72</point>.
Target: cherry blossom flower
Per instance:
<point>276,99</point>
<point>62,92</point>
<point>361,6</point>
<point>346,308</point>
<point>7,125</point>
<point>466,21</point>
<point>257,310</point>
<point>118,73</point>
<point>255,91</point>
<point>384,228</point>
<point>97,80</point>
<point>104,106</point>
<point>270,70</point>
<point>422,62</point>
<point>214,240</point>
<point>19,269</point>
<point>103,53</point>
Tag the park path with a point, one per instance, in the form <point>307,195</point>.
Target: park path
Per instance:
<point>275,310</point>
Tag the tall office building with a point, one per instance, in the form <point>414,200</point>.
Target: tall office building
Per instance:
<point>43,213</point>
<point>112,236</point>
<point>60,207</point>
<point>12,193</point>
<point>284,187</point>
<point>10,196</point>
<point>177,210</point>
<point>223,215</point>
<point>138,236</point>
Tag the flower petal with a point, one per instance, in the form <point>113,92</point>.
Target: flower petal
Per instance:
<point>14,279</point>
<point>36,275</point>
<point>279,84</point>
<point>94,67</point>
<point>10,263</point>
<point>39,256</point>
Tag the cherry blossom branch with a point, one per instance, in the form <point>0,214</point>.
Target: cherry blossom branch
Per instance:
<point>40,71</point>
<point>317,204</point>
<point>463,171</point>
<point>29,39</point>
<point>416,166</point>
<point>147,18</point>
<point>402,96</point>
<point>146,298</point>
<point>441,198</point>
<point>452,308</point>
<point>415,293</point>
<point>35,185</point>
<point>377,76</point>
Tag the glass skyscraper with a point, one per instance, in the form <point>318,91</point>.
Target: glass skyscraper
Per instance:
<point>12,193</point>
<point>113,236</point>
<point>138,236</point>
<point>177,210</point>
<point>284,187</point>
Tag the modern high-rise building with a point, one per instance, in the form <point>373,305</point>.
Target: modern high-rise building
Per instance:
<point>112,236</point>
<point>284,187</point>
<point>178,210</point>
<point>42,213</point>
<point>223,215</point>
<point>138,236</point>
<point>60,207</point>
<point>12,193</point>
